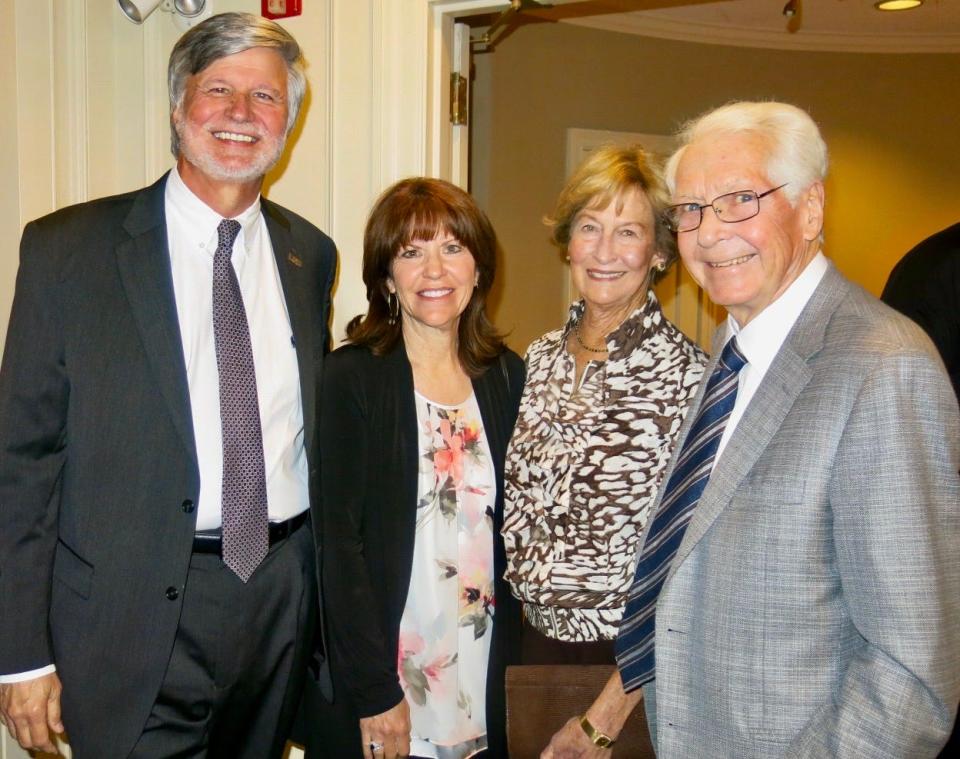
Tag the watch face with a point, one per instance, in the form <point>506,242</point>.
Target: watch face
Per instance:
<point>597,738</point>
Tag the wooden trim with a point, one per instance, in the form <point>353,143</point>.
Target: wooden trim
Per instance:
<point>776,39</point>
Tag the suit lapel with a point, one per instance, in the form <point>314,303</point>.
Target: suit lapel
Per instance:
<point>297,294</point>
<point>144,265</point>
<point>784,381</point>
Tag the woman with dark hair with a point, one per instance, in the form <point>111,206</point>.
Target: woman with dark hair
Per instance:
<point>416,415</point>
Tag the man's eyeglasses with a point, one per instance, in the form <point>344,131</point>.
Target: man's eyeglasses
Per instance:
<point>730,207</point>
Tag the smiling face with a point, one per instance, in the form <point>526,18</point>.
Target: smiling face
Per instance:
<point>611,252</point>
<point>232,122</point>
<point>433,280</point>
<point>747,265</point>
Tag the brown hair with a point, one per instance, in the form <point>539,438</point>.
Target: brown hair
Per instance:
<point>609,173</point>
<point>420,208</point>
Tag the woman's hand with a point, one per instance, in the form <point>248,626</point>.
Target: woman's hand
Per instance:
<point>570,742</point>
<point>608,713</point>
<point>387,735</point>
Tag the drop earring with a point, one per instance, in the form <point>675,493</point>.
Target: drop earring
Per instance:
<point>393,306</point>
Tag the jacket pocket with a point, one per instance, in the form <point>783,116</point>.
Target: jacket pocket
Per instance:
<point>72,571</point>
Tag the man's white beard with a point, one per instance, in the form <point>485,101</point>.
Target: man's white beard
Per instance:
<point>264,160</point>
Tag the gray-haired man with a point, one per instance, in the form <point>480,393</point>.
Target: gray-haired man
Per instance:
<point>796,592</point>
<point>156,435</point>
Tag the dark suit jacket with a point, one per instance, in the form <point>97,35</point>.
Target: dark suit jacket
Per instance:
<point>98,470</point>
<point>370,448</point>
<point>925,286</point>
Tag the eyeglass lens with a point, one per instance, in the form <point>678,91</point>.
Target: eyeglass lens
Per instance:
<point>731,207</point>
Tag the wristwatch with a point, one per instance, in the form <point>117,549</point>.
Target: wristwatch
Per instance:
<point>597,737</point>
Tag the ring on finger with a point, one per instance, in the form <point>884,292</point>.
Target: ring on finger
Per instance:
<point>376,746</point>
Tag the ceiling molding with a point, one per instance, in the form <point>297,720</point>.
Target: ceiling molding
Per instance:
<point>778,39</point>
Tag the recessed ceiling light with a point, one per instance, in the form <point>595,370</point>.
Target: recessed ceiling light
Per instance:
<point>897,5</point>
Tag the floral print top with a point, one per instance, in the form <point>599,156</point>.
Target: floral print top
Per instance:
<point>446,628</point>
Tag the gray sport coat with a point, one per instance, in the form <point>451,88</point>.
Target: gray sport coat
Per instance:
<point>812,607</point>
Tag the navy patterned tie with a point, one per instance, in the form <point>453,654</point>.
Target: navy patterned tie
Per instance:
<point>634,645</point>
<point>244,491</point>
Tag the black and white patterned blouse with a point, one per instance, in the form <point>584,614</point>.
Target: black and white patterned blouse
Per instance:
<point>584,465</point>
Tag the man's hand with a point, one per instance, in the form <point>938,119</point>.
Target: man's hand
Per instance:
<point>389,733</point>
<point>31,711</point>
<point>608,713</point>
<point>571,742</point>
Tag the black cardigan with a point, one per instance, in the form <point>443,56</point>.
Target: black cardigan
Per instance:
<point>369,451</point>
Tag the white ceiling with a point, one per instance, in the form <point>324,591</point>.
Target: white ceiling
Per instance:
<point>840,25</point>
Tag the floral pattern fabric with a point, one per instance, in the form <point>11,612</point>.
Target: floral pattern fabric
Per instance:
<point>446,628</point>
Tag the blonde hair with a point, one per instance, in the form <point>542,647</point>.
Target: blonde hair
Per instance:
<point>607,174</point>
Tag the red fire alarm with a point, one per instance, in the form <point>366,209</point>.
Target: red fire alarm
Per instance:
<point>280,8</point>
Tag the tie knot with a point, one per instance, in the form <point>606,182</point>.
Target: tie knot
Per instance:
<point>731,357</point>
<point>227,232</point>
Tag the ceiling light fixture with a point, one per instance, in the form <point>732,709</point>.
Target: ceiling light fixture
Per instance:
<point>189,7</point>
<point>138,10</point>
<point>897,5</point>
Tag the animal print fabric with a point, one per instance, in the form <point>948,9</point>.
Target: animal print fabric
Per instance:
<point>584,465</point>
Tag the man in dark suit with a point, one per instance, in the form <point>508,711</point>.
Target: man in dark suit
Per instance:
<point>925,285</point>
<point>157,401</point>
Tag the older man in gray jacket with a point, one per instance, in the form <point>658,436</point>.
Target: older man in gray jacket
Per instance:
<point>798,589</point>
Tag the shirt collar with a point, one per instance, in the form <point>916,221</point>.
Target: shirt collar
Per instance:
<point>761,339</point>
<point>199,222</point>
<point>632,330</point>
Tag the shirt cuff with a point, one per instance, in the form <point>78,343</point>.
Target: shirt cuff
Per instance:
<point>33,674</point>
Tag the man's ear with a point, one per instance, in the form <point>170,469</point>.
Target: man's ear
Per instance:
<point>813,201</point>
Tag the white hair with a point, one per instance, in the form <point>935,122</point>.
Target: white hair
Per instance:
<point>798,154</point>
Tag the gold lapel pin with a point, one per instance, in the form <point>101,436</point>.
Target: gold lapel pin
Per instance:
<point>292,258</point>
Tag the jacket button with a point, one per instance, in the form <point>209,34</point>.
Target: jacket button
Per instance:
<point>172,593</point>
<point>187,506</point>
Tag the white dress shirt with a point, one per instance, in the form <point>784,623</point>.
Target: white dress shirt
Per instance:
<point>761,339</point>
<point>192,240</point>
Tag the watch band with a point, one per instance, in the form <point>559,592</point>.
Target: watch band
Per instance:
<point>597,737</point>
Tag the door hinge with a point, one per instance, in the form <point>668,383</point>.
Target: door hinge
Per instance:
<point>458,99</point>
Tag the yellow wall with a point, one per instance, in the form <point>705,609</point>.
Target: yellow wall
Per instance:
<point>890,122</point>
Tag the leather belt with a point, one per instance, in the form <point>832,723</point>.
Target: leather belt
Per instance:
<point>212,541</point>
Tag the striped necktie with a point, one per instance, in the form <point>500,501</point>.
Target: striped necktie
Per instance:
<point>244,489</point>
<point>634,645</point>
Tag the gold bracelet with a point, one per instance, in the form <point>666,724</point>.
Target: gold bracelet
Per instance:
<point>597,737</point>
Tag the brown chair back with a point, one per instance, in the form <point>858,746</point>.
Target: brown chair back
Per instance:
<point>541,698</point>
